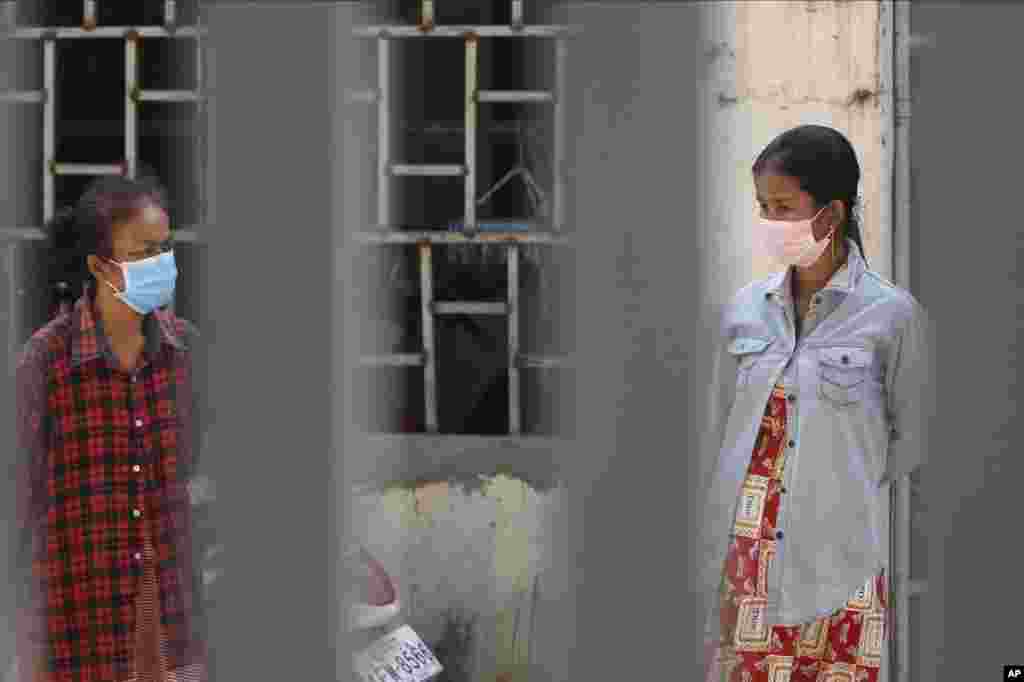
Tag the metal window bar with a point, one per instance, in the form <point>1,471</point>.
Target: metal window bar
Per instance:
<point>71,32</point>
<point>900,667</point>
<point>425,240</point>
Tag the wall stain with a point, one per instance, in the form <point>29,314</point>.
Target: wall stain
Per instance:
<point>454,649</point>
<point>860,97</point>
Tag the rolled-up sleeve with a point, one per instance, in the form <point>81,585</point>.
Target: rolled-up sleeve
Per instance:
<point>28,474</point>
<point>911,392</point>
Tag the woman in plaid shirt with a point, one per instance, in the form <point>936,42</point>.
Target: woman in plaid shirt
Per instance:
<point>108,556</point>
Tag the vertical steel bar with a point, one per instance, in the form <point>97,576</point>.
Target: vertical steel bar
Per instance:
<point>517,12</point>
<point>514,403</point>
<point>472,45</point>
<point>429,355</point>
<point>558,190</point>
<point>200,112</point>
<point>131,73</point>
<point>89,15</point>
<point>49,127</point>
<point>902,276</point>
<point>383,133</point>
<point>903,581</point>
<point>170,13</point>
<point>426,14</point>
<point>8,15</point>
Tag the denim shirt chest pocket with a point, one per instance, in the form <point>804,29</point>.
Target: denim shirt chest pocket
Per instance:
<point>749,353</point>
<point>845,375</point>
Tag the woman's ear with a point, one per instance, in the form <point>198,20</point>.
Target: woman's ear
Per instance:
<point>838,212</point>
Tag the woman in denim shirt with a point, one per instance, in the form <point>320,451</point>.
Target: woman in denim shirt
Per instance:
<point>820,402</point>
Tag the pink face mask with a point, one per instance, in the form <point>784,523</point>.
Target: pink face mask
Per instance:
<point>792,242</point>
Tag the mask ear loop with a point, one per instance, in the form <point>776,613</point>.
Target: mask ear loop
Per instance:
<point>123,274</point>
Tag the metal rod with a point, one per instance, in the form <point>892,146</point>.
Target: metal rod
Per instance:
<point>72,33</point>
<point>89,15</point>
<point>430,362</point>
<point>169,96</point>
<point>21,234</point>
<point>541,362</point>
<point>362,96</point>
<point>517,13</point>
<point>170,13</point>
<point>484,31</point>
<point>469,212</point>
<point>426,15</point>
<point>396,237</point>
<point>428,170</point>
<point>49,127</point>
<point>87,169</point>
<point>393,360</point>
<point>514,400</point>
<point>131,108</point>
<point>902,276</point>
<point>886,57</point>
<point>22,97</point>
<point>437,129</point>
<point>903,582</point>
<point>558,163</point>
<point>383,140</point>
<point>470,308</point>
<point>514,96</point>
<point>200,137</point>
<point>8,16</point>
<point>188,235</point>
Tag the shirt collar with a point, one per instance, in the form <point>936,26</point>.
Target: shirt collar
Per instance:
<point>843,280</point>
<point>88,340</point>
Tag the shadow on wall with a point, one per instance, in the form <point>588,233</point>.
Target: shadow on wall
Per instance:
<point>455,647</point>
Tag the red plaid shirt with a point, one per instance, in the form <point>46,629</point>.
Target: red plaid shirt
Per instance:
<point>105,456</point>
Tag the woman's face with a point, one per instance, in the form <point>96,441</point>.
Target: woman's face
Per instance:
<point>781,198</point>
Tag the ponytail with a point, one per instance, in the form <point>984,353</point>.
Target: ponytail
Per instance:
<point>68,269</point>
<point>853,209</point>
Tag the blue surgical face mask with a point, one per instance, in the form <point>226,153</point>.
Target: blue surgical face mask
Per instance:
<point>148,283</point>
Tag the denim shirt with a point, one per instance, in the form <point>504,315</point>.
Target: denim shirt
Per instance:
<point>858,391</point>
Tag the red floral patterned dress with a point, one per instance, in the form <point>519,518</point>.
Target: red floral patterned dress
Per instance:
<point>844,647</point>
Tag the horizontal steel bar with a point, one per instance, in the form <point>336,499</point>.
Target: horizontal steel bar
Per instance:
<point>514,96</point>
<point>169,96</point>
<point>363,96</point>
<point>75,32</point>
<point>428,170</point>
<point>187,235</point>
<point>184,235</point>
<point>446,237</point>
<point>23,97</point>
<point>506,225</point>
<point>526,361</point>
<point>470,308</point>
<point>87,169</point>
<point>393,360</point>
<point>21,234</point>
<point>483,31</point>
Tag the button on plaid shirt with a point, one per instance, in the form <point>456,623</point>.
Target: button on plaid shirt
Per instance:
<point>106,464</point>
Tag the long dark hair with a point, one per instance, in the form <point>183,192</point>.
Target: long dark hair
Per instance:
<point>823,161</point>
<point>86,228</point>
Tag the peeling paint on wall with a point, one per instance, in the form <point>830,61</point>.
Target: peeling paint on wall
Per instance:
<point>466,559</point>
